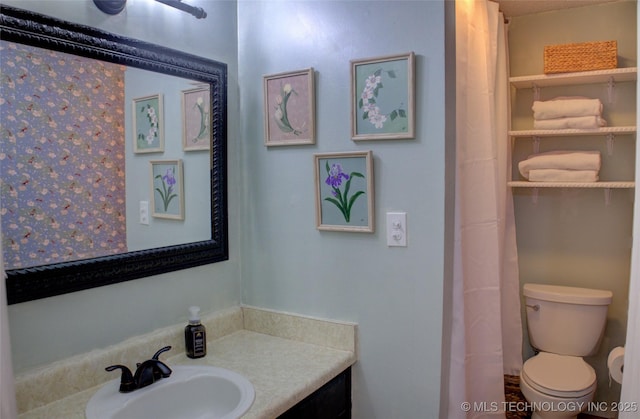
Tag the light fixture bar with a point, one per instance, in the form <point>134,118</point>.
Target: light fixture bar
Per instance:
<point>198,12</point>
<point>110,7</point>
<point>113,7</point>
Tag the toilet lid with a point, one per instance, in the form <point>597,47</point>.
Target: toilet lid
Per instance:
<point>559,375</point>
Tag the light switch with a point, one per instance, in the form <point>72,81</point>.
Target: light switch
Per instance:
<point>397,229</point>
<point>144,212</point>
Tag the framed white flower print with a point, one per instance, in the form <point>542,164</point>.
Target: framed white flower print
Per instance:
<point>196,112</point>
<point>289,108</point>
<point>382,98</point>
<point>148,124</point>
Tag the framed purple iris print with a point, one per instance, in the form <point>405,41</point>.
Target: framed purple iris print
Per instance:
<point>344,191</point>
<point>167,189</point>
<point>289,108</point>
<point>148,124</point>
<point>382,98</point>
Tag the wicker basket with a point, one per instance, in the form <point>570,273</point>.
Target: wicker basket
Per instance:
<point>583,56</point>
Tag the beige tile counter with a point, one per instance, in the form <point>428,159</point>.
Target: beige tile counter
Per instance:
<point>286,358</point>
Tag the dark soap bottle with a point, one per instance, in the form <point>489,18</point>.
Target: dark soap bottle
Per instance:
<point>195,335</point>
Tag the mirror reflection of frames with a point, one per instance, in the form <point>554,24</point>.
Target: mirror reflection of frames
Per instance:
<point>72,181</point>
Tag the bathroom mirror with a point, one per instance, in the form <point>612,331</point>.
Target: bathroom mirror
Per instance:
<point>199,74</point>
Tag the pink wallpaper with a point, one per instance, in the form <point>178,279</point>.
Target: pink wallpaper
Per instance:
<point>62,165</point>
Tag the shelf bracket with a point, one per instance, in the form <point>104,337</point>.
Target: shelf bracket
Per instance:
<point>536,91</point>
<point>534,196</point>
<point>607,196</point>
<point>611,87</point>
<point>610,138</point>
<point>536,144</point>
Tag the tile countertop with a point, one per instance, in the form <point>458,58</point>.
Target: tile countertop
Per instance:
<point>286,357</point>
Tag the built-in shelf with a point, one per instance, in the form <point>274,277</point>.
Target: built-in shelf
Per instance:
<point>535,82</point>
<point>572,132</point>
<point>594,185</point>
<point>583,77</point>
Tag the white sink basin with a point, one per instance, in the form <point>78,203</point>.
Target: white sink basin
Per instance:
<point>193,391</point>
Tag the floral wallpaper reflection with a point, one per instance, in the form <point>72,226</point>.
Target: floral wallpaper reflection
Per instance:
<point>62,165</point>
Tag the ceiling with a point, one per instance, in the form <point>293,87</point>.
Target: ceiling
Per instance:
<point>525,7</point>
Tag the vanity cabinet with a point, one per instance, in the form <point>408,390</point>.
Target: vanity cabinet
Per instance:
<point>331,401</point>
<point>612,79</point>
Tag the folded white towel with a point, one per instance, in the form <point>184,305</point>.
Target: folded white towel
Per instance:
<point>568,160</point>
<point>575,122</point>
<point>561,175</point>
<point>566,107</point>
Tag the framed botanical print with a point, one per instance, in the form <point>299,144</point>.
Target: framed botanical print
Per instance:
<point>382,98</point>
<point>196,111</point>
<point>167,189</point>
<point>344,191</point>
<point>148,124</point>
<point>289,108</point>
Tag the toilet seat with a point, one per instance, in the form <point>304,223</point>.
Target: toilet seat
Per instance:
<point>561,376</point>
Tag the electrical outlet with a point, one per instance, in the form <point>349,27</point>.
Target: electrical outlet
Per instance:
<point>144,212</point>
<point>397,229</point>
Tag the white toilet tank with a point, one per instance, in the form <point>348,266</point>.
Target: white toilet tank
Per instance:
<point>566,320</point>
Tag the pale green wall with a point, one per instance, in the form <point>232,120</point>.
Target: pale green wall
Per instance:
<point>394,294</point>
<point>50,329</point>
<point>571,237</point>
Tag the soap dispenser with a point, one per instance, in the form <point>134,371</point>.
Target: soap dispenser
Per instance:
<point>195,338</point>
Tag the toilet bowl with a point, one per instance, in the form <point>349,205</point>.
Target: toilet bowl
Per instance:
<point>557,386</point>
<point>564,324</point>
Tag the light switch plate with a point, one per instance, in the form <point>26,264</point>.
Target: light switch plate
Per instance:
<point>397,229</point>
<point>144,212</point>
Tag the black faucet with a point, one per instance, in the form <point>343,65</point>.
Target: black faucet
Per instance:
<point>146,373</point>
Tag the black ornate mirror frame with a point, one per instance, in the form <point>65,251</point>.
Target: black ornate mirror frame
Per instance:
<point>34,29</point>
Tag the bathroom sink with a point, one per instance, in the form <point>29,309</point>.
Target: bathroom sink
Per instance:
<point>192,391</point>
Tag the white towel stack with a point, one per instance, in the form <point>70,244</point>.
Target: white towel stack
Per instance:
<point>562,166</point>
<point>568,112</point>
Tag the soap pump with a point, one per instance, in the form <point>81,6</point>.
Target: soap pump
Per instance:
<point>195,338</point>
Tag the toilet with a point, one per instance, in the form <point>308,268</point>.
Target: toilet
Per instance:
<point>564,324</point>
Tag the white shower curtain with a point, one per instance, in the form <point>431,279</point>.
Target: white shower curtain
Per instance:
<point>7,390</point>
<point>631,378</point>
<point>486,335</point>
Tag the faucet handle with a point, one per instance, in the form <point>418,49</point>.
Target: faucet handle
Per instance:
<point>160,369</point>
<point>157,354</point>
<point>127,383</point>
